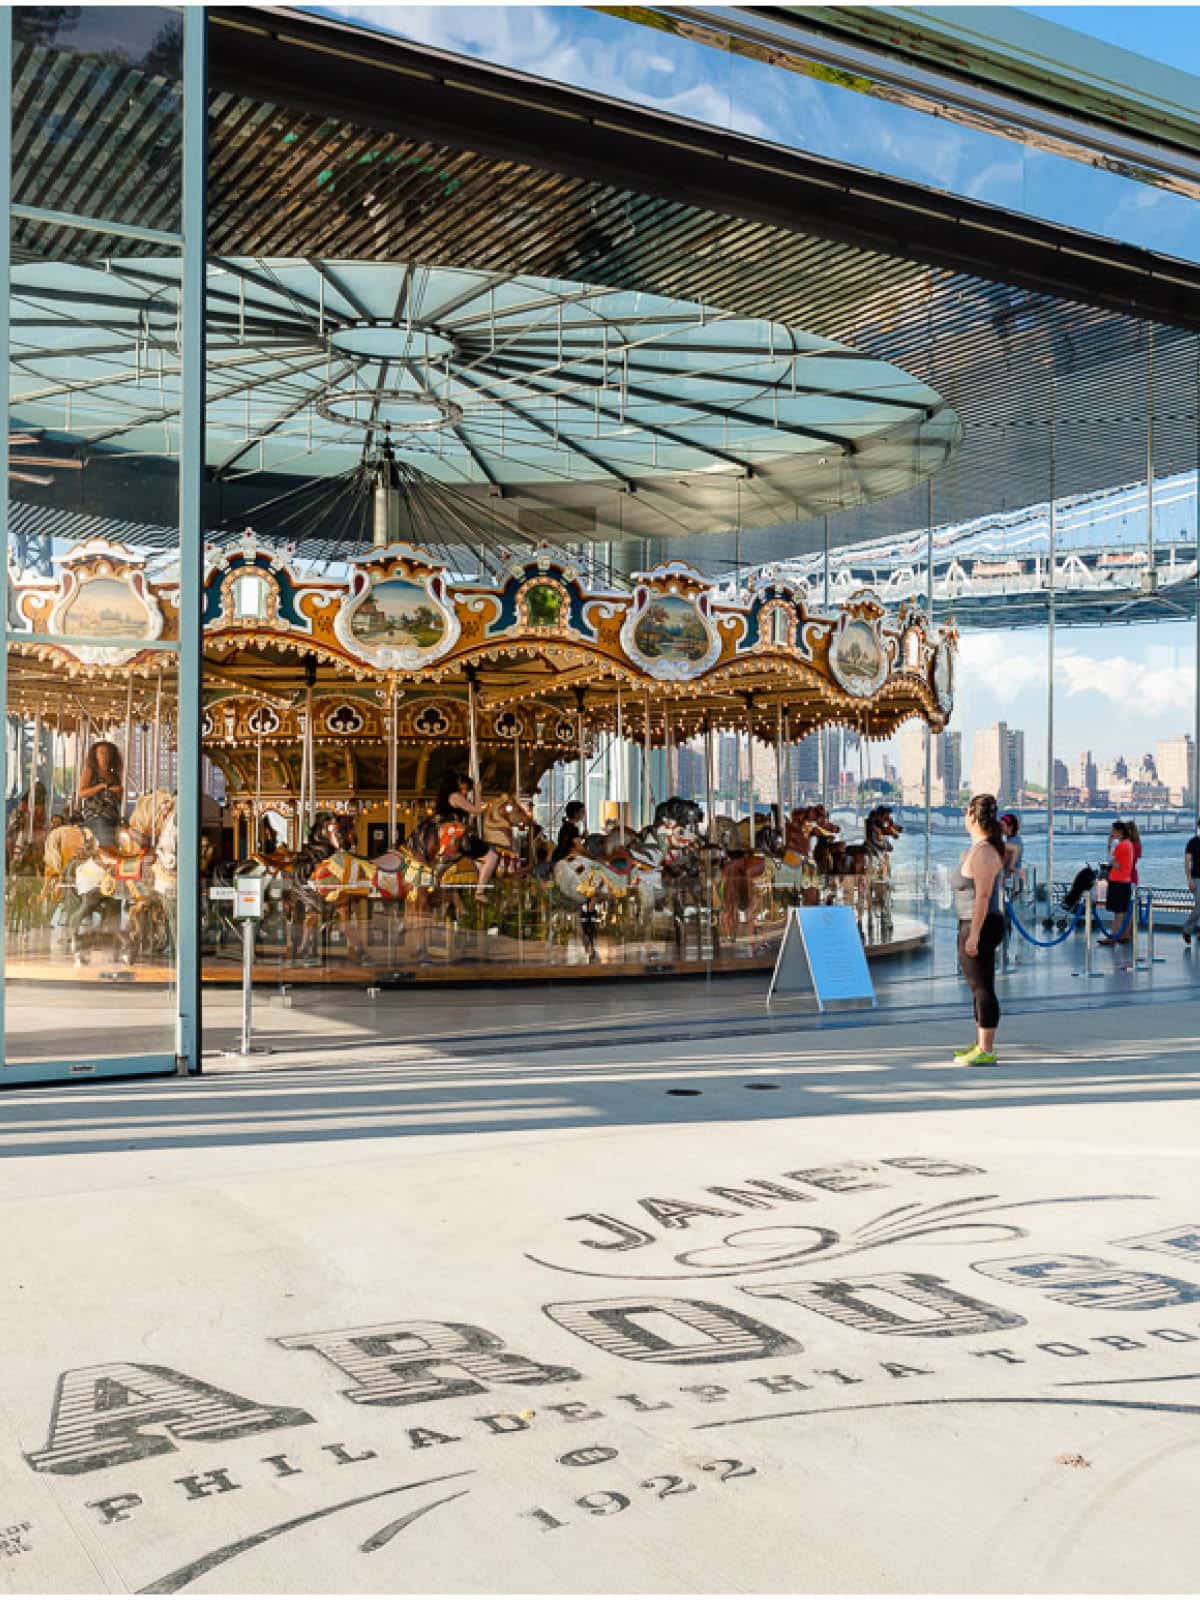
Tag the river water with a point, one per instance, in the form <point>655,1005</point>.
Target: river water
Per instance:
<point>1161,865</point>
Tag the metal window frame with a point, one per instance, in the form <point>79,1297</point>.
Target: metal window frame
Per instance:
<point>191,244</point>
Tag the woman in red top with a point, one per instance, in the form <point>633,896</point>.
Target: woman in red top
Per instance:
<point>1120,884</point>
<point>1135,840</point>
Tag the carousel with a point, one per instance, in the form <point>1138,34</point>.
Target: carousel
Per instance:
<point>471,539</point>
<point>396,748</point>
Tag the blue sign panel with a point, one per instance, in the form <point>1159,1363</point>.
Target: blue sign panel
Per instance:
<point>822,952</point>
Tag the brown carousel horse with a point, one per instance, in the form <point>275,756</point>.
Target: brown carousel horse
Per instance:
<point>866,863</point>
<point>499,821</point>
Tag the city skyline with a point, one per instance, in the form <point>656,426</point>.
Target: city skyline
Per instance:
<point>1116,693</point>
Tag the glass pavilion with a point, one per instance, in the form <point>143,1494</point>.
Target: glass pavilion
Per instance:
<point>239,262</point>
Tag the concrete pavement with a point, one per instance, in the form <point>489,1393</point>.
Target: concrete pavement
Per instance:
<point>800,1311</point>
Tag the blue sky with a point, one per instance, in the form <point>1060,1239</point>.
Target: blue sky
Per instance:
<point>1163,33</point>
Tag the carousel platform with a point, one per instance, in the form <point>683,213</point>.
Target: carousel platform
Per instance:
<point>476,958</point>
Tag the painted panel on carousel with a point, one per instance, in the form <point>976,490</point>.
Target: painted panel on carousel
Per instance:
<point>669,632</point>
<point>395,614</point>
<point>250,586</point>
<point>540,598</point>
<point>943,675</point>
<point>857,657</point>
<point>775,619</point>
<point>103,595</point>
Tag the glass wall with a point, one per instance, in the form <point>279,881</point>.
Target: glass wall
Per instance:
<point>97,542</point>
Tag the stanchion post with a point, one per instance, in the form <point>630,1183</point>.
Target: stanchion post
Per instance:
<point>248,908</point>
<point>247,984</point>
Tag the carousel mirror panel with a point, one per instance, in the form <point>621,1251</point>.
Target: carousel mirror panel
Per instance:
<point>91,711</point>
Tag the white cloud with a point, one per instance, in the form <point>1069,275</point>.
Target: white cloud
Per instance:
<point>1006,665</point>
<point>1132,685</point>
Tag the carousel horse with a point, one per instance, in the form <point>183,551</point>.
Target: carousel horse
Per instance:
<point>606,869</point>
<point>107,879</point>
<point>18,837</point>
<point>317,894</point>
<point>500,820</point>
<point>866,863</point>
<point>735,835</point>
<point>857,860</point>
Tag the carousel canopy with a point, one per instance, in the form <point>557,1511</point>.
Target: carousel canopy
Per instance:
<point>564,409</point>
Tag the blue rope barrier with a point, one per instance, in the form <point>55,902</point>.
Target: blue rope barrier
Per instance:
<point>1043,944</point>
<point>1124,928</point>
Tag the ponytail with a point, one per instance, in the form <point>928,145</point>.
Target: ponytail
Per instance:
<point>983,813</point>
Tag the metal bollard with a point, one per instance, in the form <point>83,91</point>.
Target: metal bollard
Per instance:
<point>1132,914</point>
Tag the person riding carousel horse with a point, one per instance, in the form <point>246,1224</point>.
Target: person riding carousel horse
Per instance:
<point>101,787</point>
<point>455,806</point>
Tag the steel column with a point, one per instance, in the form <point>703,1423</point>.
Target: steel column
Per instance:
<point>928,733</point>
<point>1050,641</point>
<point>191,541</point>
<point>822,738</point>
<point>1195,774</point>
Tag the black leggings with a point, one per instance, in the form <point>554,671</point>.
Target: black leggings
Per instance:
<point>980,970</point>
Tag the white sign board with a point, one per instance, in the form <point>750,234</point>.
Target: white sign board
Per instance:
<point>222,891</point>
<point>249,902</point>
<point>822,954</point>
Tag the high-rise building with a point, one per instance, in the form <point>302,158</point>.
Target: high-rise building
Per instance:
<point>1086,776</point>
<point>1175,760</point>
<point>945,766</point>
<point>806,767</point>
<point>998,763</point>
<point>728,766</point>
<point>690,766</point>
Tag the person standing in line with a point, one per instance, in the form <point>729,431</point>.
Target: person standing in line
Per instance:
<point>976,886</point>
<point>1191,868</point>
<point>1120,885</point>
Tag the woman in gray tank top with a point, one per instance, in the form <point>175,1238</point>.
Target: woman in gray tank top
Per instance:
<point>977,889</point>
